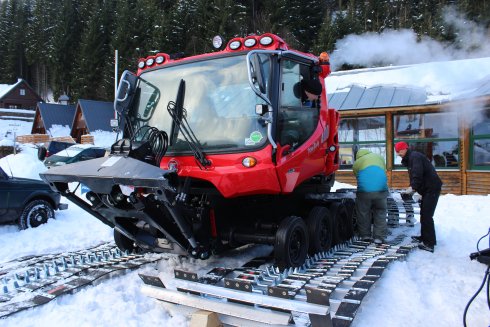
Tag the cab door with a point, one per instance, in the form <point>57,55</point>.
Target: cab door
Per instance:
<point>300,153</point>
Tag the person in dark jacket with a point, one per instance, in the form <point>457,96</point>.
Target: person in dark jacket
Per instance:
<point>425,181</point>
<point>309,91</point>
<point>372,191</point>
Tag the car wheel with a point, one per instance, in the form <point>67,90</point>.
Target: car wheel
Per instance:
<point>36,213</point>
<point>41,153</point>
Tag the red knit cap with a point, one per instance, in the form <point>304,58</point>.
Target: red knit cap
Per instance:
<point>401,146</point>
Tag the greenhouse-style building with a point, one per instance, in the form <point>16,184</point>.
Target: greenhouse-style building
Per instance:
<point>454,134</point>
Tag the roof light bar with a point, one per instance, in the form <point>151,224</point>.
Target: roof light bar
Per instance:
<point>235,44</point>
<point>266,40</point>
<point>250,42</point>
<point>159,59</point>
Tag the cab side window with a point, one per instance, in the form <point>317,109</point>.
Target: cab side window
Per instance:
<point>297,120</point>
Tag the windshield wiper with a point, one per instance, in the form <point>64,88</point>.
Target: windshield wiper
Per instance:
<point>179,124</point>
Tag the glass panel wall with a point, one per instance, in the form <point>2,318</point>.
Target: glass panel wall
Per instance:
<point>363,132</point>
<point>480,141</point>
<point>434,134</point>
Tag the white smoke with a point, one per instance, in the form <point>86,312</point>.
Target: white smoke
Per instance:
<point>403,47</point>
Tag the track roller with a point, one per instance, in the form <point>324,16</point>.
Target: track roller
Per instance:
<point>291,246</point>
<point>320,229</point>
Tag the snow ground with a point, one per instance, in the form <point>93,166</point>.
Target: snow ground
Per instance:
<point>425,290</point>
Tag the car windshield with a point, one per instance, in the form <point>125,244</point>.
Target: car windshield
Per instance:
<point>219,104</point>
<point>70,152</point>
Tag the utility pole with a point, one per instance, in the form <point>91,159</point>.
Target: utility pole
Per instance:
<point>115,78</point>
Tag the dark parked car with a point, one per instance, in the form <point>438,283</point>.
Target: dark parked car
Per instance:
<point>53,148</point>
<point>75,153</point>
<point>28,202</point>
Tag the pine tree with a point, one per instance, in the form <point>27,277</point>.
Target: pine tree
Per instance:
<point>65,41</point>
<point>90,82</point>
<point>7,68</point>
<point>14,16</point>
<point>39,47</point>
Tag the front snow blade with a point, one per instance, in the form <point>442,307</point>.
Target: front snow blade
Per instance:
<point>101,174</point>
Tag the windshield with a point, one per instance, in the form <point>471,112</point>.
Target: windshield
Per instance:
<point>70,152</point>
<point>219,104</point>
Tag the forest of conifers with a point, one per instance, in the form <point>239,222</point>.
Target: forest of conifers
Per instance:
<point>67,46</point>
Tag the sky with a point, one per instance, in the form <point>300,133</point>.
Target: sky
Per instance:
<point>424,290</point>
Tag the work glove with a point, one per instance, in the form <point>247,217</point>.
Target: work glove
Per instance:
<point>416,197</point>
<point>408,190</point>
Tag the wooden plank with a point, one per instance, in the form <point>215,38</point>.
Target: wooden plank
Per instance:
<point>479,178</point>
<point>87,139</point>
<point>389,141</point>
<point>32,138</point>
<point>226,320</point>
<point>226,308</point>
<point>478,184</point>
<point>478,191</point>
<point>485,189</point>
<point>203,318</point>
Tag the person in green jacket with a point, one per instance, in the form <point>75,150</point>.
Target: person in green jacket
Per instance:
<point>372,191</point>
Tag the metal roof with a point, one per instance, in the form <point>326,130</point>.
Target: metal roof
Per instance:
<point>380,96</point>
<point>98,114</point>
<point>483,89</point>
<point>56,114</point>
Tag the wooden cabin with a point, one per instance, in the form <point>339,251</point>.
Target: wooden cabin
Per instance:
<point>49,114</point>
<point>454,134</point>
<point>18,96</point>
<point>91,116</point>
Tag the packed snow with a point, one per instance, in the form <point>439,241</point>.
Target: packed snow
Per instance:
<point>425,290</point>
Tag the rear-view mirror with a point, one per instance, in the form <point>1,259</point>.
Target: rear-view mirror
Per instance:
<point>125,92</point>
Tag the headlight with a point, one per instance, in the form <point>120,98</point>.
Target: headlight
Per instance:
<point>141,65</point>
<point>235,45</point>
<point>159,59</point>
<point>250,42</point>
<point>150,61</point>
<point>266,40</point>
<point>217,42</point>
<point>249,162</point>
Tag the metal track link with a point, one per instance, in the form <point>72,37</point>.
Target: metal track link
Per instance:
<point>326,291</point>
<point>38,280</point>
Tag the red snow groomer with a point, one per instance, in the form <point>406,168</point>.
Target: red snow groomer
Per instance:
<point>219,150</point>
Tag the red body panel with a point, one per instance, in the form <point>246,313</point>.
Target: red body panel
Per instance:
<point>315,157</point>
<point>228,174</point>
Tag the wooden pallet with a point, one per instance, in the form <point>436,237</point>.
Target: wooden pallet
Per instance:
<point>32,138</point>
<point>87,139</point>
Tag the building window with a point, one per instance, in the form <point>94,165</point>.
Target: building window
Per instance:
<point>434,134</point>
<point>356,133</point>
<point>22,91</point>
<point>480,141</point>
